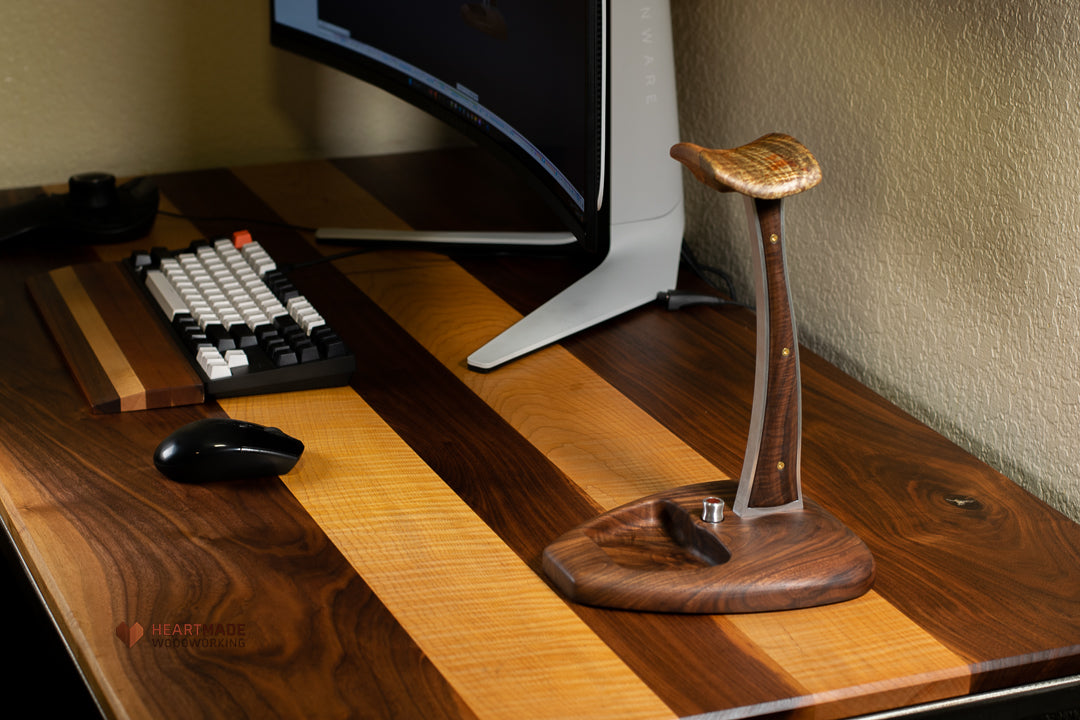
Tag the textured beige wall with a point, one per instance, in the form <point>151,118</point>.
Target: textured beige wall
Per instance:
<point>939,260</point>
<point>129,86</point>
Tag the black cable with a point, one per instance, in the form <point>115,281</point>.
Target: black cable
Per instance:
<point>239,220</point>
<point>677,299</point>
<point>322,259</point>
<point>357,247</point>
<point>702,271</point>
<point>672,299</point>
<point>285,268</point>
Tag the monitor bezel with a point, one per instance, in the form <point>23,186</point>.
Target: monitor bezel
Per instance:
<point>590,225</point>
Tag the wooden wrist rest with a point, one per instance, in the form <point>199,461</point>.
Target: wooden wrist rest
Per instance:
<point>119,352</point>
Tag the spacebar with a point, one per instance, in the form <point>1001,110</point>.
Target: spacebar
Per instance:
<point>165,294</point>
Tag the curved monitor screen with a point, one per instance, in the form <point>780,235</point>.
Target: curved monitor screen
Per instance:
<point>520,75</point>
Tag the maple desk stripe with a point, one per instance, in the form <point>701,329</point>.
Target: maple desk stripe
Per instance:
<point>615,453</point>
<point>507,643</point>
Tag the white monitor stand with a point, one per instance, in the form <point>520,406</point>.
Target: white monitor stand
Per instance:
<point>646,197</point>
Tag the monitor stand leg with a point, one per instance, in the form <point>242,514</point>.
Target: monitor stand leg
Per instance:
<point>438,240</point>
<point>643,260</point>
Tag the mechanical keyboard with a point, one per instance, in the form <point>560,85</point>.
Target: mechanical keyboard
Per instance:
<point>243,325</point>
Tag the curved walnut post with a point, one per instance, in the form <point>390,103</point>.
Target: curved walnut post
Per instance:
<point>771,477</point>
<point>674,551</point>
<point>766,171</point>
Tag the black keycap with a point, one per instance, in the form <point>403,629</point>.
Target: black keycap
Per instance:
<point>195,338</point>
<point>243,336</point>
<point>264,333</point>
<point>330,345</point>
<point>219,337</point>
<point>306,350</point>
<point>284,355</point>
<point>157,254</point>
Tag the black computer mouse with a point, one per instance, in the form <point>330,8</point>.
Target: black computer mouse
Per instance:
<point>215,449</point>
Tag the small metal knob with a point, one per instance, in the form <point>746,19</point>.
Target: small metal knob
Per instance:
<point>712,510</point>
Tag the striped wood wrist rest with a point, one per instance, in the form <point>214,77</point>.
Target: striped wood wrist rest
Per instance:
<point>118,350</point>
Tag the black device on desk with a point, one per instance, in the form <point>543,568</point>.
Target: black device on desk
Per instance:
<point>94,210</point>
<point>218,448</point>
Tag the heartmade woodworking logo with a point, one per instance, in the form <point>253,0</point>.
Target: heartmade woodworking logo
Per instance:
<point>129,635</point>
<point>185,635</point>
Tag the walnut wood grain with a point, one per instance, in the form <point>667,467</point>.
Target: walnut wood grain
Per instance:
<point>110,540</point>
<point>114,343</point>
<point>771,475</point>
<point>659,554</point>
<point>610,435</point>
<point>695,376</point>
<point>98,388</point>
<point>451,582</point>
<point>766,171</point>
<point>949,578</point>
<point>491,466</point>
<point>776,552</point>
<point>597,443</point>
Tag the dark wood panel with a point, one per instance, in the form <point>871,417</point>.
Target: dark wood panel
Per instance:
<point>495,470</point>
<point>696,375</point>
<point>958,542</point>
<point>693,370</point>
<point>238,552</point>
<point>132,340</point>
<point>529,503</point>
<point>153,354</point>
<point>241,552</point>
<point>955,542</point>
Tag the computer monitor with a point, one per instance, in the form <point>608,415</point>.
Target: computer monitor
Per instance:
<point>579,95</point>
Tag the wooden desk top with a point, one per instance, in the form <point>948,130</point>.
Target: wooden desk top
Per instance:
<point>396,571</point>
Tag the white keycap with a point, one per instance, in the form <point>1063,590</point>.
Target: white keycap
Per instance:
<point>236,359</point>
<point>258,259</point>
<point>170,301</point>
<point>212,363</point>
<point>311,322</point>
